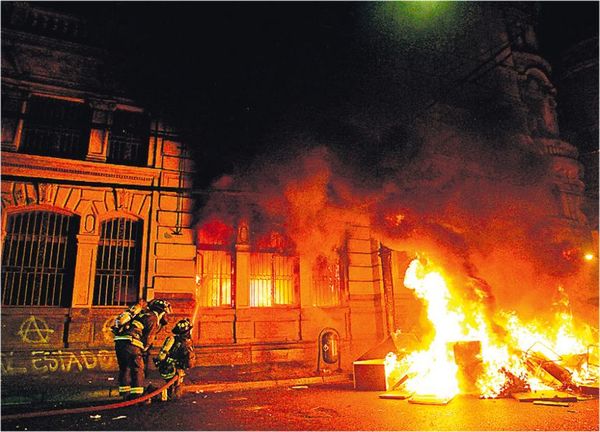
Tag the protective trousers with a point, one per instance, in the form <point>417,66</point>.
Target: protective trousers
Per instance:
<point>131,368</point>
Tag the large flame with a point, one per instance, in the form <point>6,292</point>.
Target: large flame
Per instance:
<point>494,361</point>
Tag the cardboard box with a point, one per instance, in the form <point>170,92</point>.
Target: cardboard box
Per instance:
<point>369,375</point>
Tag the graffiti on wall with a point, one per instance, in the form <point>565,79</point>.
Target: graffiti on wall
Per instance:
<point>34,330</point>
<point>55,361</point>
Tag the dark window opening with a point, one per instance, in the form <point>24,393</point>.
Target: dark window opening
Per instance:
<point>128,139</point>
<point>328,281</point>
<point>38,259</point>
<point>55,127</point>
<point>118,263</point>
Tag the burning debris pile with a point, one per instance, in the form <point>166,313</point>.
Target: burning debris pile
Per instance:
<point>474,352</point>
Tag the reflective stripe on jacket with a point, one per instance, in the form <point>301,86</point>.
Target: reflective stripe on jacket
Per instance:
<point>136,342</point>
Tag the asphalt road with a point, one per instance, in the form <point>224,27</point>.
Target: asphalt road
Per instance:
<point>324,407</point>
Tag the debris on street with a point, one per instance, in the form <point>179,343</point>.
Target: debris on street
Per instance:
<point>429,399</point>
<point>551,403</point>
<point>545,395</point>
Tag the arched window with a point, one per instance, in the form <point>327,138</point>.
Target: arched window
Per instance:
<point>38,259</point>
<point>118,263</point>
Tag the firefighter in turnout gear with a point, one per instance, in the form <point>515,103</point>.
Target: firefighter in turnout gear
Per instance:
<point>176,355</point>
<point>133,340</point>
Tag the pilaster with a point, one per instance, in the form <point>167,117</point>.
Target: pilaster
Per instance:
<point>85,269</point>
<point>102,113</point>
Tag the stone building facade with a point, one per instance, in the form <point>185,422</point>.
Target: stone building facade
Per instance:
<point>97,212</point>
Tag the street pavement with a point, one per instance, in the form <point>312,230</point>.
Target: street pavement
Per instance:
<point>324,406</point>
<point>24,393</point>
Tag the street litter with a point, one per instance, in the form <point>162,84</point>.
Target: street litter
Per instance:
<point>429,399</point>
<point>550,403</point>
<point>119,417</point>
<point>95,416</point>
<point>545,395</point>
<point>299,387</point>
<point>396,394</point>
<point>110,379</point>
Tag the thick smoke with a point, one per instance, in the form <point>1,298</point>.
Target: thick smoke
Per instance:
<point>480,208</point>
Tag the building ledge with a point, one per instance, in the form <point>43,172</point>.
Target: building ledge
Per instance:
<point>51,168</point>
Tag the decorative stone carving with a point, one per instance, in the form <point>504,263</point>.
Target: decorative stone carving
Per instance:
<point>242,237</point>
<point>89,223</point>
<point>538,95</point>
<point>123,198</point>
<point>46,192</point>
<point>20,194</point>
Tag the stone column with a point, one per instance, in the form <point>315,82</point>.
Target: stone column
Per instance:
<point>242,267</point>
<point>102,113</point>
<point>85,269</point>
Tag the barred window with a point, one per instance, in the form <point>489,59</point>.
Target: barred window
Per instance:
<point>214,273</point>
<point>273,279</point>
<point>38,259</point>
<point>214,263</point>
<point>128,139</point>
<point>55,127</point>
<point>328,282</point>
<point>118,263</point>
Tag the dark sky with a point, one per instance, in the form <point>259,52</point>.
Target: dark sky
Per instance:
<point>239,76</point>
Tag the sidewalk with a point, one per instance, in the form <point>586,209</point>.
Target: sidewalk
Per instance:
<point>100,387</point>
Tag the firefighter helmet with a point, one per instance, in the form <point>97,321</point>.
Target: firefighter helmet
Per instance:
<point>183,326</point>
<point>159,306</point>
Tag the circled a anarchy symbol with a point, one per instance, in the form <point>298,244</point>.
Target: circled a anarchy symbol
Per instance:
<point>34,330</point>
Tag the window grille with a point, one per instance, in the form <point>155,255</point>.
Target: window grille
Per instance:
<point>327,282</point>
<point>38,259</point>
<point>118,263</point>
<point>55,127</point>
<point>128,139</point>
<point>214,271</point>
<point>272,279</point>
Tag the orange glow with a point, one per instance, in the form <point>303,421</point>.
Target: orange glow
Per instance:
<point>588,256</point>
<point>495,363</point>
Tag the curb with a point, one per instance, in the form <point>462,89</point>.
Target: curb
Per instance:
<point>253,385</point>
<point>112,394</point>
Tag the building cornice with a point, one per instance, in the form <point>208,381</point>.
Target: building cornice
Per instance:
<point>33,166</point>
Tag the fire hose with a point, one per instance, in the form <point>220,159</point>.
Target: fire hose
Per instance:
<point>80,410</point>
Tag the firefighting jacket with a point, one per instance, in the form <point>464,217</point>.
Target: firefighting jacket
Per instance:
<point>176,353</point>
<point>142,330</point>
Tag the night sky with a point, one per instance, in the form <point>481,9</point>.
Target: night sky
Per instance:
<point>241,78</point>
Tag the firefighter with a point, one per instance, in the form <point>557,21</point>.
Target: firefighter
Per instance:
<point>133,342</point>
<point>176,355</point>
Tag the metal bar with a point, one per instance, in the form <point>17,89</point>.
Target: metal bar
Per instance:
<point>25,248</point>
<point>64,261</point>
<point>109,263</point>
<point>35,252</point>
<point>53,256</point>
<point>100,265</point>
<point>127,259</point>
<point>8,257</point>
<point>42,253</point>
<point>57,244</point>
